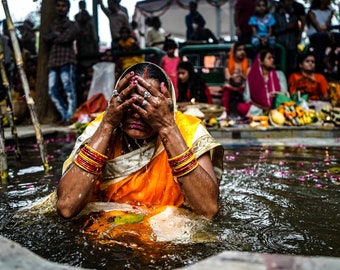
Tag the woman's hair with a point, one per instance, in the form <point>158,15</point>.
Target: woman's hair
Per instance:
<point>304,55</point>
<point>187,65</point>
<point>149,70</point>
<point>263,53</point>
<point>195,84</point>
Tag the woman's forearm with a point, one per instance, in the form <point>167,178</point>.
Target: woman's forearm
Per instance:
<point>76,185</point>
<point>199,183</point>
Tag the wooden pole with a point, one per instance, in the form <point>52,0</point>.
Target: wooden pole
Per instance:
<point>9,104</point>
<point>3,157</point>
<point>29,99</point>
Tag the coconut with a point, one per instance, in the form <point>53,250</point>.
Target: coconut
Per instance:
<point>277,117</point>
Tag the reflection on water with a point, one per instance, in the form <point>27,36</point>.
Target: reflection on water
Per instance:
<point>273,199</point>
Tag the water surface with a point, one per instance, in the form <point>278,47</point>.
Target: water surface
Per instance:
<point>282,200</point>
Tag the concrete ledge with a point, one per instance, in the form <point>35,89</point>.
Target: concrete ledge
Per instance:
<point>256,261</point>
<point>287,136</point>
<point>15,257</point>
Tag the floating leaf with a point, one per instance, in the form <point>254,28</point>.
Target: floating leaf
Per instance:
<point>127,219</point>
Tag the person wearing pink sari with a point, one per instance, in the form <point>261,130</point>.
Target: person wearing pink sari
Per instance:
<point>263,82</point>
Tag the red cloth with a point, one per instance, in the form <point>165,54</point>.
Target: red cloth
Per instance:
<point>97,103</point>
<point>260,91</point>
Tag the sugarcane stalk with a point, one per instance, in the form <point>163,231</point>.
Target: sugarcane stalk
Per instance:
<point>3,157</point>
<point>29,99</point>
<point>9,103</point>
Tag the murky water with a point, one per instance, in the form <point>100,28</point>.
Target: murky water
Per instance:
<point>273,199</point>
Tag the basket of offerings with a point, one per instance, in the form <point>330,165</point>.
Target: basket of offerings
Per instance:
<point>200,110</point>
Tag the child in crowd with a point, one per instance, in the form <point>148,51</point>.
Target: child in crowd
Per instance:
<point>128,44</point>
<point>170,61</point>
<point>235,73</point>
<point>262,23</point>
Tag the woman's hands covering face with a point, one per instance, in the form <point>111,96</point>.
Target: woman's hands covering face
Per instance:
<point>154,104</point>
<point>120,101</point>
<point>151,100</point>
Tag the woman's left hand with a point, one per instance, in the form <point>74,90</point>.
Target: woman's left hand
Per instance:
<point>154,104</point>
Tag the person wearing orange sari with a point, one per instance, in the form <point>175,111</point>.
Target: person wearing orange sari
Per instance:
<point>235,73</point>
<point>307,81</point>
<point>142,152</point>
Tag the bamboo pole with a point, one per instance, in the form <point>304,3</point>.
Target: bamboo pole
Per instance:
<point>29,99</point>
<point>3,157</point>
<point>9,103</point>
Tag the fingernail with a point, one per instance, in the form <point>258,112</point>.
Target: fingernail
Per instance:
<point>133,82</point>
<point>132,72</point>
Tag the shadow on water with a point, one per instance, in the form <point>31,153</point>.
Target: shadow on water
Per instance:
<point>273,199</point>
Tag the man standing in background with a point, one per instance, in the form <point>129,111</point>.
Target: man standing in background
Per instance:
<point>117,19</point>
<point>189,19</point>
<point>60,38</point>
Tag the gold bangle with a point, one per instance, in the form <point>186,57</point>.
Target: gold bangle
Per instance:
<point>188,171</point>
<point>186,162</point>
<point>96,152</point>
<point>88,159</point>
<point>180,155</point>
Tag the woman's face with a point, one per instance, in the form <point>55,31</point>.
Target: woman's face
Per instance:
<point>268,62</point>
<point>308,64</point>
<point>183,75</point>
<point>134,125</point>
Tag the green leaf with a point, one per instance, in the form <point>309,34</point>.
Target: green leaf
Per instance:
<point>127,219</point>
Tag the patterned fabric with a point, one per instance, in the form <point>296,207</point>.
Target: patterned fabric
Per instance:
<point>316,88</point>
<point>62,49</point>
<point>262,24</point>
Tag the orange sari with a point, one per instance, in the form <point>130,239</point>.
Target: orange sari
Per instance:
<point>315,88</point>
<point>137,193</point>
<point>143,176</point>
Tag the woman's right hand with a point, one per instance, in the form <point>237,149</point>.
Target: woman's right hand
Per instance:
<point>120,100</point>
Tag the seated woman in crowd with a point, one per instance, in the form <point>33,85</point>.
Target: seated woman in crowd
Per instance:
<point>307,81</point>
<point>191,85</point>
<point>142,152</point>
<point>235,73</point>
<point>262,83</point>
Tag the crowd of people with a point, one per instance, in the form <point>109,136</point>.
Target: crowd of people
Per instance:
<point>258,23</point>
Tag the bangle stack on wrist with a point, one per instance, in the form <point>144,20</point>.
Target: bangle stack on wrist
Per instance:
<point>90,160</point>
<point>183,163</point>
